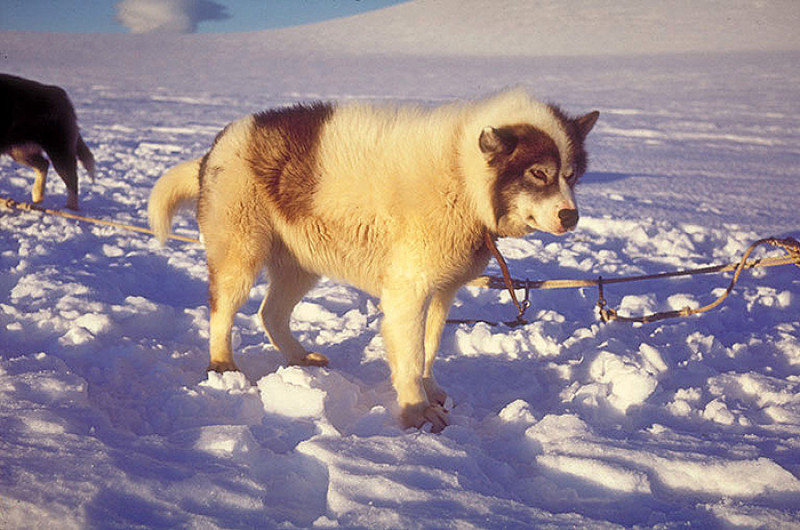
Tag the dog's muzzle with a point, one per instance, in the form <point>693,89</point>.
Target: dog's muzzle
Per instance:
<point>569,218</point>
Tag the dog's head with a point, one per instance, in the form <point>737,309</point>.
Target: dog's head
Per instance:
<point>535,175</point>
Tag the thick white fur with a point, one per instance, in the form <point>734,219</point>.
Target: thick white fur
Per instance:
<point>403,202</point>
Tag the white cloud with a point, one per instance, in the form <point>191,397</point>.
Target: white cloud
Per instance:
<point>167,16</point>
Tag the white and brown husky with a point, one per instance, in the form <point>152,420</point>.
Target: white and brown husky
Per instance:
<point>396,201</point>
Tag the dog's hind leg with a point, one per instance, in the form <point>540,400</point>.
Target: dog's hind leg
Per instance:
<point>288,282</point>
<point>233,265</point>
<point>66,166</point>
<point>31,155</point>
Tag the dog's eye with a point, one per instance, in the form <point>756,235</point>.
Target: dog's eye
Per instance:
<point>571,179</point>
<point>539,175</point>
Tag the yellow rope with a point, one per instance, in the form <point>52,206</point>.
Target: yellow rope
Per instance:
<point>792,256</point>
<point>790,245</point>
<point>11,204</point>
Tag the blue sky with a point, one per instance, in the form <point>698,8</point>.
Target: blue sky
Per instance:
<point>99,16</point>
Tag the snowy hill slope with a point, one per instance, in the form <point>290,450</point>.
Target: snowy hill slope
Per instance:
<point>107,418</point>
<point>454,28</point>
<point>502,30</point>
<point>557,28</point>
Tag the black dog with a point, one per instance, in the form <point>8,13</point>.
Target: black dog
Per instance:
<point>37,119</point>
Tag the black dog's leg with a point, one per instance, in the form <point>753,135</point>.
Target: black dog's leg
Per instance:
<point>31,155</point>
<point>66,166</point>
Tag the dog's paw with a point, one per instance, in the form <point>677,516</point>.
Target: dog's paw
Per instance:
<point>222,367</point>
<point>311,359</point>
<point>435,394</point>
<point>72,201</point>
<point>417,416</point>
<point>315,359</point>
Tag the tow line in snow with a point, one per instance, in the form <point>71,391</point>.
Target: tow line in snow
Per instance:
<point>790,245</point>
<point>792,256</point>
<point>11,204</point>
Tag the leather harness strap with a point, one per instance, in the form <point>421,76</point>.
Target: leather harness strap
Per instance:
<point>521,307</point>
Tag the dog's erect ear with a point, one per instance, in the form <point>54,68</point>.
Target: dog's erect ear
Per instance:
<point>497,141</point>
<point>585,123</point>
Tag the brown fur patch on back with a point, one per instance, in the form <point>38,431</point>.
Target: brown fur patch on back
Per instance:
<point>283,155</point>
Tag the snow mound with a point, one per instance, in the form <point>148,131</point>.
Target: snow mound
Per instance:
<point>569,446</point>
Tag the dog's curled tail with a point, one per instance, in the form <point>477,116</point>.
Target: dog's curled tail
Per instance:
<point>175,188</point>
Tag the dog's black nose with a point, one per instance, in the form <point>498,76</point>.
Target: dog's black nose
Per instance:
<point>569,218</point>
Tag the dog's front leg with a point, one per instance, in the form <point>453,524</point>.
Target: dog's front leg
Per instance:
<point>40,164</point>
<point>436,319</point>
<point>403,330</point>
<point>30,155</point>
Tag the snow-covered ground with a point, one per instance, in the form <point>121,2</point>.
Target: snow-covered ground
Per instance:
<point>107,418</point>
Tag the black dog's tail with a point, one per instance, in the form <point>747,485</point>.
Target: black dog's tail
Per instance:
<point>86,157</point>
